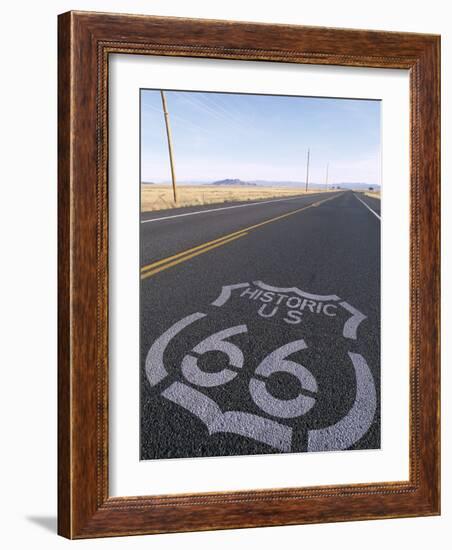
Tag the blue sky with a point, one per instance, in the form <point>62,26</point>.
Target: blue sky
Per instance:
<point>258,137</point>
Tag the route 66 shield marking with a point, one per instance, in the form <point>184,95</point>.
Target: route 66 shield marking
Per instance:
<point>284,325</point>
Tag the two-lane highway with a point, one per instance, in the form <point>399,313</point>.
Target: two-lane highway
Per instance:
<point>260,327</point>
<point>171,231</point>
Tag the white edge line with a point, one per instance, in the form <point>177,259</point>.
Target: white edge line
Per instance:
<point>367,206</point>
<point>222,208</point>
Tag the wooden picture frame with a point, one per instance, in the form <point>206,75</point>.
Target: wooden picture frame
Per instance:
<point>86,40</point>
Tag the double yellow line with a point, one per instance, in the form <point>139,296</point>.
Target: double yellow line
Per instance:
<point>156,267</point>
<point>165,263</point>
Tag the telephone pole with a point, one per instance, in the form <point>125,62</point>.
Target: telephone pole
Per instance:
<point>307,172</point>
<point>170,143</point>
<point>326,179</point>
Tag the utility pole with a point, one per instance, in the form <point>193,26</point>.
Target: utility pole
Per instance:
<point>326,179</point>
<point>170,143</point>
<point>307,173</point>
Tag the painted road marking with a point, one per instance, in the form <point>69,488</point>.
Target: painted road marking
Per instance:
<point>186,252</point>
<point>165,263</point>
<point>276,362</point>
<point>217,209</point>
<point>155,368</point>
<point>341,435</point>
<point>151,272</point>
<point>357,422</point>
<point>250,425</point>
<point>294,307</point>
<point>367,206</point>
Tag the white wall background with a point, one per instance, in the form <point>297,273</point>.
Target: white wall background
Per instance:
<point>28,235</point>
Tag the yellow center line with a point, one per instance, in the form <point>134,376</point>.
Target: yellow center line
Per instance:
<point>184,252</point>
<point>165,263</point>
<point>151,272</point>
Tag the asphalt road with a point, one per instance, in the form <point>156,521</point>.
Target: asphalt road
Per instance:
<point>260,327</point>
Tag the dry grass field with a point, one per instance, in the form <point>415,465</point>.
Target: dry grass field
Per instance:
<point>160,197</point>
<point>374,194</point>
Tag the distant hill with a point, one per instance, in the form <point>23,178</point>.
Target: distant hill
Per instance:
<point>346,185</point>
<point>315,185</point>
<point>231,181</point>
<point>271,183</point>
<point>293,184</point>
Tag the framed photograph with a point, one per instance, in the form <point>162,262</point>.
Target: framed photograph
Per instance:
<point>248,275</point>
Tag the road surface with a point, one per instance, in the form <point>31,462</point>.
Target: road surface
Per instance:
<point>260,327</point>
